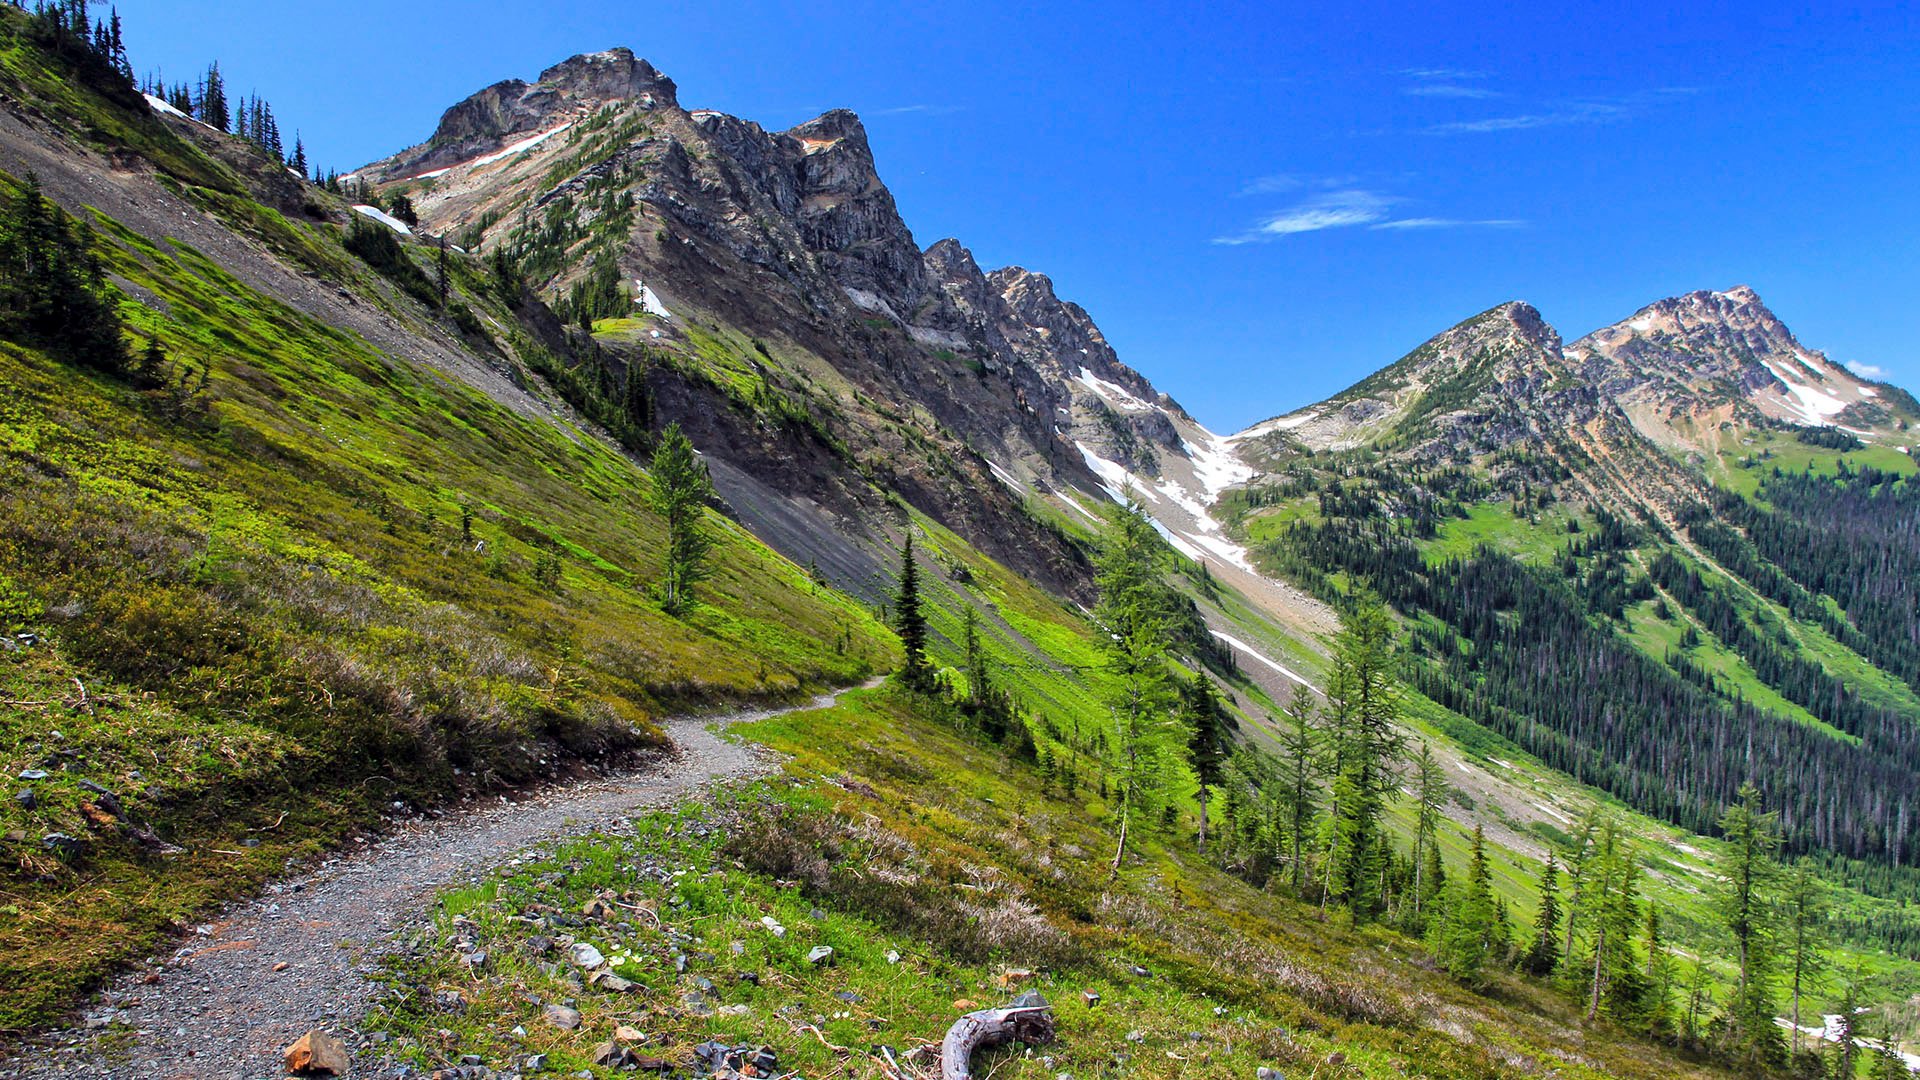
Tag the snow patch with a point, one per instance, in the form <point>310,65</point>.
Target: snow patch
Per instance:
<point>1813,404</point>
<point>434,175</point>
<point>1006,477</point>
<point>1112,393</point>
<point>1260,657</point>
<point>1215,465</point>
<point>1640,324</point>
<point>520,147</point>
<point>1115,480</point>
<point>164,107</point>
<point>649,300</point>
<point>1282,423</point>
<point>384,218</point>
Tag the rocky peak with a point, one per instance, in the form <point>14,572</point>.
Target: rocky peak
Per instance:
<point>564,92</point>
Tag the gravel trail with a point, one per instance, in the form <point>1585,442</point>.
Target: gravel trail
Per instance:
<point>217,1008</point>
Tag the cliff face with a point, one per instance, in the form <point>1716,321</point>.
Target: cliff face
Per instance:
<point>791,239</point>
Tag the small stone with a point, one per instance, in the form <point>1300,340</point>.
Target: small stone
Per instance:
<point>33,774</point>
<point>1336,1059</point>
<point>773,927</point>
<point>819,954</point>
<point>1090,998</point>
<point>1139,972</point>
<point>107,800</point>
<point>611,983</point>
<point>586,956</point>
<point>627,1033</point>
<point>610,1055</point>
<point>317,1054</point>
<point>1136,1036</point>
<point>26,799</point>
<point>282,966</point>
<point>816,915</point>
<point>1264,1073</point>
<point>893,956</point>
<point>562,1017</point>
<point>63,845</point>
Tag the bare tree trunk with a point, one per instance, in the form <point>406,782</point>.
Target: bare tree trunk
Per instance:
<point>1599,953</point>
<point>1028,1020</point>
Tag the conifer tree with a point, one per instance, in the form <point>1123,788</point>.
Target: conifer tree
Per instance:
<point>1132,612</point>
<point>680,490</point>
<point>298,162</point>
<point>1430,791</point>
<point>1805,913</point>
<point>1303,768</point>
<point>1363,711</point>
<point>1749,879</point>
<point>1543,955</point>
<point>910,623</point>
<point>1467,935</point>
<point>1209,741</point>
<point>211,108</point>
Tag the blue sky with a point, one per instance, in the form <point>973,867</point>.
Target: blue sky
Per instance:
<point>1259,203</point>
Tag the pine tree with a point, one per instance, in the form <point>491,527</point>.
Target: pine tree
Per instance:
<point>211,108</point>
<point>1805,913</point>
<point>1846,1047</point>
<point>1132,612</point>
<point>1749,879</point>
<point>910,623</point>
<point>1543,955</point>
<point>1303,768</point>
<point>1430,792</point>
<point>1363,710</point>
<point>680,491</point>
<point>1467,935</point>
<point>298,162</point>
<point>1211,738</point>
<point>1611,893</point>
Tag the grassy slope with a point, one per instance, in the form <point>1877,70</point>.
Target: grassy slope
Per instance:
<point>272,601</point>
<point>903,835</point>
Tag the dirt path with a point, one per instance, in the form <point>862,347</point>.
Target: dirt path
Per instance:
<point>217,1008</point>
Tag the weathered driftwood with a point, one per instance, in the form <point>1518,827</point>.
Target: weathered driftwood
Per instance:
<point>1029,1020</point>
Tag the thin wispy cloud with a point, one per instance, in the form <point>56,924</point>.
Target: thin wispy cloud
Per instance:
<point>1451,90</point>
<point>1867,371</point>
<point>1349,208</point>
<point>918,110</point>
<point>1442,74</point>
<point>1288,183</point>
<point>1449,223</point>
<point>1565,114</point>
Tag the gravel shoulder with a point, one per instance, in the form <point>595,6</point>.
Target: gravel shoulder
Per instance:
<point>217,1007</point>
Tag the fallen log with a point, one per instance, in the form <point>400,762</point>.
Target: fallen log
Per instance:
<point>1029,1020</point>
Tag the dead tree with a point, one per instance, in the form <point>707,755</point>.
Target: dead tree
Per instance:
<point>1029,1020</point>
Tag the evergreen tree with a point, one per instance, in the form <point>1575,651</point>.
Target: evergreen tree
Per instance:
<point>1132,612</point>
<point>401,207</point>
<point>1468,934</point>
<point>298,162</point>
<point>1210,739</point>
<point>1430,792</point>
<point>910,623</point>
<point>1543,955</point>
<point>1805,914</point>
<point>1363,710</point>
<point>1750,876</point>
<point>53,290</point>
<point>1846,1047</point>
<point>1612,896</point>
<point>681,488</point>
<point>1303,769</point>
<point>211,108</point>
